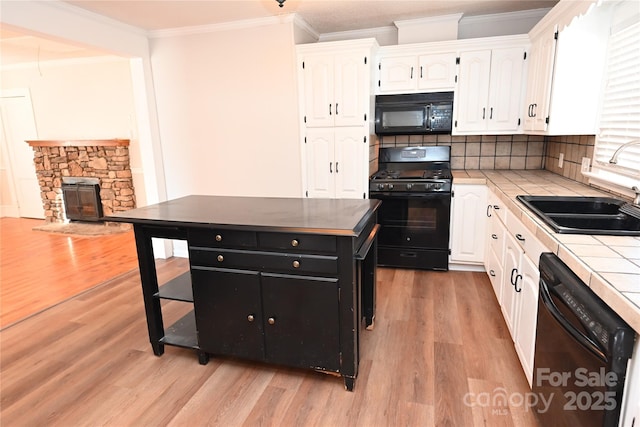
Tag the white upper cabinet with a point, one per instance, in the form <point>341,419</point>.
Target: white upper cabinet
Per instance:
<point>336,89</point>
<point>411,73</point>
<point>489,93</point>
<point>567,65</point>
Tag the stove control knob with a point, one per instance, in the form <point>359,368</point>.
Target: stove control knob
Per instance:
<point>437,186</point>
<point>428,186</point>
<point>409,186</point>
<point>380,186</point>
<point>390,186</point>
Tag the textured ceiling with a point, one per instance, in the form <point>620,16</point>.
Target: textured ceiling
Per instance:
<point>325,16</point>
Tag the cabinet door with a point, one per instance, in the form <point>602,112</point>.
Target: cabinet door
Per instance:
<point>320,163</point>
<point>505,89</point>
<point>228,312</point>
<point>301,318</point>
<point>527,309</point>
<point>473,91</point>
<point>512,254</point>
<point>318,90</point>
<point>398,74</point>
<point>349,172</point>
<point>437,71</point>
<point>351,89</point>
<point>468,223</point>
<point>539,83</point>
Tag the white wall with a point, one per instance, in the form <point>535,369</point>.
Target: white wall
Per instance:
<point>90,98</point>
<point>228,114</point>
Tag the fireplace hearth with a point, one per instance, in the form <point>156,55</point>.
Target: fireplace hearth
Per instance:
<point>82,198</point>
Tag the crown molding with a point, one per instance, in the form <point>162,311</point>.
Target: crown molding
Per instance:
<point>226,26</point>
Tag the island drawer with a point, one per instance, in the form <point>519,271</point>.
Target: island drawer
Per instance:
<point>263,261</point>
<point>297,242</point>
<point>217,238</point>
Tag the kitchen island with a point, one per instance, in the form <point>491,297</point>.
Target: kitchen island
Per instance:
<point>279,280</point>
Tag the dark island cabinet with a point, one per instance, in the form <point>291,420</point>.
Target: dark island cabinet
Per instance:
<point>283,281</point>
<point>282,319</point>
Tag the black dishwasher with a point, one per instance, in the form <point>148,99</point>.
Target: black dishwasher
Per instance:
<point>581,354</point>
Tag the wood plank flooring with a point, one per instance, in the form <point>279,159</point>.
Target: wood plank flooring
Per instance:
<point>438,337</point>
<point>39,269</point>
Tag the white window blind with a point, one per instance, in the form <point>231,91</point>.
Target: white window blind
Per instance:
<point>620,114</point>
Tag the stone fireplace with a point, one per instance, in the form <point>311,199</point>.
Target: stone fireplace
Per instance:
<point>103,161</point>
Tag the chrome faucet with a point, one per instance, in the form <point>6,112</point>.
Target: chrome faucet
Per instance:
<point>614,158</point>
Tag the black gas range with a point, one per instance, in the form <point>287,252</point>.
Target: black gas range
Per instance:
<point>414,184</point>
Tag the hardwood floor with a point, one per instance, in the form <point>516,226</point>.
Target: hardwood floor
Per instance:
<point>40,269</point>
<point>439,343</point>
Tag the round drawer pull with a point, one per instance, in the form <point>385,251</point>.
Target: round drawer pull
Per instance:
<point>294,243</point>
<point>220,258</point>
<point>271,321</point>
<point>250,318</point>
<point>492,273</point>
<point>218,238</point>
<point>296,264</point>
<point>519,237</point>
<point>494,237</point>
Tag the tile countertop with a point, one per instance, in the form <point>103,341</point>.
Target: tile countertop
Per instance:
<point>610,265</point>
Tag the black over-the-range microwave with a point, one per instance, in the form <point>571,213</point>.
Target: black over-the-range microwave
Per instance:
<point>414,114</point>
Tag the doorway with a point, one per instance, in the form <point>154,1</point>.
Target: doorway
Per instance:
<point>20,193</point>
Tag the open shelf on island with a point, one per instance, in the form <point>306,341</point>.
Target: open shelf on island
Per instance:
<point>182,333</point>
<point>178,289</point>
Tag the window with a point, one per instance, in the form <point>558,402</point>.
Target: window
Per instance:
<point>619,134</point>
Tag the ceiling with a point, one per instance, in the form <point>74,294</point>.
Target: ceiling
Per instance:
<point>324,16</point>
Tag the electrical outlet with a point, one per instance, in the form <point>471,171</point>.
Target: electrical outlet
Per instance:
<point>560,160</point>
<point>586,164</point>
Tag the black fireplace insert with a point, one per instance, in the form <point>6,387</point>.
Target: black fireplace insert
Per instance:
<point>82,199</point>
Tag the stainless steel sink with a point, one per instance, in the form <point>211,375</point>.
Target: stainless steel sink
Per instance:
<point>585,215</point>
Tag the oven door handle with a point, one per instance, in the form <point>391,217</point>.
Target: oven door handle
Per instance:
<point>403,195</point>
<point>578,336</point>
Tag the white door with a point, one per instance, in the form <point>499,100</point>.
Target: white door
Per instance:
<point>512,253</point>
<point>468,222</point>
<point>473,91</point>
<point>437,71</point>
<point>319,105</point>
<point>527,315</point>
<point>398,74</point>
<point>320,163</point>
<point>349,165</point>
<point>351,89</point>
<point>18,125</point>
<point>505,88</point>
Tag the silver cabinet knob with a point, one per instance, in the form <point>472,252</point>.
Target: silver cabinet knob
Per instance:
<point>296,264</point>
<point>294,243</point>
<point>220,258</point>
<point>271,321</point>
<point>218,238</point>
<point>250,318</point>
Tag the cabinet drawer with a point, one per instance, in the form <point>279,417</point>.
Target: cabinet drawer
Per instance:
<point>297,242</point>
<point>263,261</point>
<point>496,237</point>
<point>494,270</point>
<point>215,238</point>
<point>531,246</point>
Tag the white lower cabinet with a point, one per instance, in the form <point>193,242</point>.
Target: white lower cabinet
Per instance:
<point>335,163</point>
<point>527,315</point>
<point>512,266</point>
<point>468,222</point>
